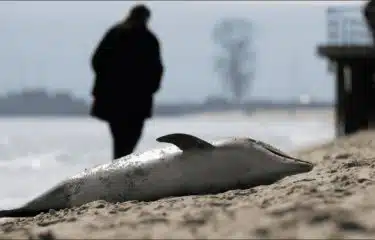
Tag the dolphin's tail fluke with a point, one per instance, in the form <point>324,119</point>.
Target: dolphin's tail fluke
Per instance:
<point>18,212</point>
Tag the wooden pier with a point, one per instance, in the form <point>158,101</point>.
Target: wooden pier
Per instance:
<point>354,67</point>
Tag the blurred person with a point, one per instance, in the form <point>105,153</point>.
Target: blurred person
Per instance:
<point>128,70</point>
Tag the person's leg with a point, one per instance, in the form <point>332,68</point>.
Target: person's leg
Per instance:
<point>115,139</point>
<point>126,135</point>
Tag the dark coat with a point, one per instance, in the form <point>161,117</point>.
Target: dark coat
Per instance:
<point>128,71</point>
<point>369,14</point>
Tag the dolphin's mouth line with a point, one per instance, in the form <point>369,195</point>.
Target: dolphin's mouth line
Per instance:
<point>278,151</point>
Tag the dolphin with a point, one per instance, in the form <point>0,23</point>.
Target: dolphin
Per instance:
<point>191,167</point>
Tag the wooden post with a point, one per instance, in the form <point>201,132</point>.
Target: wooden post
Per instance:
<point>355,92</point>
<point>361,80</point>
<point>340,100</point>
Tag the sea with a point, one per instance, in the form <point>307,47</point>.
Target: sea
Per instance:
<point>37,153</point>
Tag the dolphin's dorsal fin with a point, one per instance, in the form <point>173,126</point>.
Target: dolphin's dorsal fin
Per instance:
<point>185,141</point>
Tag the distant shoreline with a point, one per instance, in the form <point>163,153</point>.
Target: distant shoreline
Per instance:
<point>218,113</point>
<point>40,103</point>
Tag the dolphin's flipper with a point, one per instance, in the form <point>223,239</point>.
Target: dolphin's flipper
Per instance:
<point>185,141</point>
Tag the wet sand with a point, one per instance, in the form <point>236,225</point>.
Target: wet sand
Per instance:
<point>335,200</point>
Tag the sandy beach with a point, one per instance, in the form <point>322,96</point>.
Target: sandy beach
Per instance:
<point>335,200</point>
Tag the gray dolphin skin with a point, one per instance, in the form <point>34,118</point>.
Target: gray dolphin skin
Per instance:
<point>191,167</point>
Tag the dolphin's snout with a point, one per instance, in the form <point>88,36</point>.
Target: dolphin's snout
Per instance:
<point>296,166</point>
<point>302,166</point>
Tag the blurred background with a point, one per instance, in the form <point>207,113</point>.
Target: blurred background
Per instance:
<point>279,91</point>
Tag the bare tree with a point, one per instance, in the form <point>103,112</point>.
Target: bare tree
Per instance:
<point>235,64</point>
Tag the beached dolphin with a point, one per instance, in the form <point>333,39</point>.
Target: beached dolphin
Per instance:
<point>195,167</point>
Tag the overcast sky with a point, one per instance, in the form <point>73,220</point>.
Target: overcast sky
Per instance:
<point>49,44</point>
